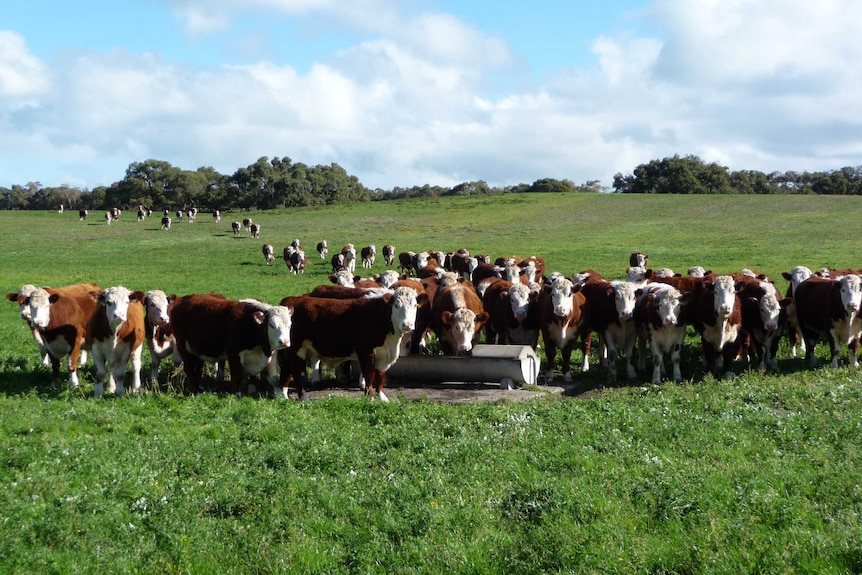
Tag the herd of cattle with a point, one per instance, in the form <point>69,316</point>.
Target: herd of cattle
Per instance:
<point>456,296</point>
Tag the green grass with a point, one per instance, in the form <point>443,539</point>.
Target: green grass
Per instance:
<point>757,475</point>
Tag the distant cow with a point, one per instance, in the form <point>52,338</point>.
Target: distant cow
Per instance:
<point>294,259</point>
<point>322,249</point>
<point>339,263</point>
<point>236,227</point>
<point>246,223</point>
<point>142,214</point>
<point>166,222</point>
<point>457,317</point>
<point>368,330</point>
<point>192,214</point>
<point>661,318</point>
<point>349,253</point>
<point>830,308</point>
<point>216,216</point>
<point>560,319</point>
<point>268,253</point>
<point>255,230</point>
<point>115,336</point>
<point>407,261</point>
<point>61,316</point>
<point>82,214</point>
<point>463,265</point>
<point>388,254</point>
<point>247,333</point>
<point>638,260</point>
<point>368,254</point>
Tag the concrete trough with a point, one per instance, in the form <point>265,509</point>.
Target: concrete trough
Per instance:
<point>504,364</point>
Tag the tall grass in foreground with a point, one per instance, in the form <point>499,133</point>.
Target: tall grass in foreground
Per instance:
<point>758,475</point>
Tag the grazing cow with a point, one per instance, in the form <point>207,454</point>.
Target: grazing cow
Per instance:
<point>322,249</point>
<point>457,317</point>
<point>763,318</point>
<point>246,333</point>
<point>369,255</point>
<point>661,318</point>
<point>388,254</point>
<point>830,308</point>
<point>158,331</point>
<point>61,316</point>
<point>368,330</point>
<point>82,214</point>
<point>166,222</point>
<point>236,227</point>
<point>513,314</point>
<point>608,311</point>
<point>268,253</point>
<point>216,216</point>
<point>295,260</point>
<point>638,260</point>
<point>21,298</point>
<point>463,265</point>
<point>349,253</point>
<point>795,276</point>
<point>115,335</point>
<point>718,319</point>
<point>246,223</point>
<point>255,230</point>
<point>560,319</point>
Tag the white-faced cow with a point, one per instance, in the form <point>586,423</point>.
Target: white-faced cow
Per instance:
<point>368,254</point>
<point>246,223</point>
<point>322,249</point>
<point>514,314</point>
<point>216,216</point>
<point>609,311</point>
<point>268,253</point>
<point>763,318</point>
<point>830,308</point>
<point>795,276</point>
<point>246,333</point>
<point>368,330</point>
<point>236,227</point>
<point>61,316</point>
<point>294,259</point>
<point>561,312</point>
<point>661,318</point>
<point>717,317</point>
<point>166,222</point>
<point>457,317</point>
<point>158,331</point>
<point>115,336</point>
<point>82,214</point>
<point>349,253</point>
<point>255,230</point>
<point>191,214</point>
<point>463,265</point>
<point>388,254</point>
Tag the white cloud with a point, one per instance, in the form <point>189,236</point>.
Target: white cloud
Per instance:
<point>21,74</point>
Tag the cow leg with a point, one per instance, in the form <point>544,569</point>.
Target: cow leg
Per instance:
<point>852,352</point>
<point>237,374</point>
<point>193,368</point>
<point>551,353</point>
<point>610,359</point>
<point>74,357</point>
<point>101,372</point>
<point>586,344</point>
<point>657,361</point>
<point>566,357</point>
<point>675,356</point>
<point>136,368</point>
<point>631,374</point>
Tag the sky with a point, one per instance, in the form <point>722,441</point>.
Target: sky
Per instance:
<point>404,93</point>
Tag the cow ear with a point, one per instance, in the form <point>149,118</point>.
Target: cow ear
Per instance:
<point>446,317</point>
<point>639,292</point>
<point>785,302</point>
<point>422,298</point>
<point>685,297</point>
<point>54,297</point>
<point>259,317</point>
<point>482,317</point>
<point>12,296</point>
<point>576,288</point>
<point>172,298</point>
<point>738,286</point>
<point>137,295</point>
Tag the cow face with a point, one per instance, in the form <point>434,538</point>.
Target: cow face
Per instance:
<point>850,287</point>
<point>724,292</point>
<point>624,299</point>
<point>343,278</point>
<point>278,322</point>
<point>40,307</point>
<point>21,299</point>
<point>404,303</point>
<point>519,299</point>
<point>770,312</point>
<point>670,303</point>
<point>463,325</point>
<point>796,276</point>
<point>388,278</point>
<point>116,301</point>
<point>562,300</point>
<point>157,304</point>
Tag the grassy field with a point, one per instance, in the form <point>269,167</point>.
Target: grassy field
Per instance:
<point>757,475</point>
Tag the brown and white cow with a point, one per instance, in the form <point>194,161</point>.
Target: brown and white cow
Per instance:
<point>166,222</point>
<point>368,255</point>
<point>349,253</point>
<point>463,264</point>
<point>661,318</point>
<point>115,336</point>
<point>608,312</point>
<point>830,308</point>
<point>246,223</point>
<point>763,317</point>
<point>368,330</point>
<point>638,260</point>
<point>61,316</point>
<point>322,249</point>
<point>255,230</point>
<point>457,317</point>
<point>246,333</point>
<point>268,253</point>
<point>82,215</point>
<point>795,276</point>
<point>717,317</point>
<point>294,259</point>
<point>560,319</point>
<point>216,216</point>
<point>407,262</point>
<point>236,227</point>
<point>514,314</point>
<point>158,331</point>
<point>388,255</point>
<point>344,278</point>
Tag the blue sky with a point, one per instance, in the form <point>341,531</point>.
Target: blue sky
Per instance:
<point>409,92</point>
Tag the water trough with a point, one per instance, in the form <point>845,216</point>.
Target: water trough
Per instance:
<point>507,365</point>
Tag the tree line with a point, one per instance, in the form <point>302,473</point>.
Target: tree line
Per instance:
<point>283,183</point>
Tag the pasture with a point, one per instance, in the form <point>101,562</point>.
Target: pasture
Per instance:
<point>757,475</point>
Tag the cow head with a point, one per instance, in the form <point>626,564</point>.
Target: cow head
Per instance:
<point>157,304</point>
<point>796,276</point>
<point>520,297</point>
<point>562,296</point>
<point>277,319</point>
<point>724,294</point>
<point>670,304</point>
<point>624,299</point>
<point>116,301</point>
<point>21,299</point>
<point>463,325</point>
<point>697,271</point>
<point>388,278</point>
<point>39,303</point>
<point>404,303</point>
<point>850,287</point>
<point>343,278</point>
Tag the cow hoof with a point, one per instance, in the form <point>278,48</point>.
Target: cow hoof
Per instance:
<point>507,383</point>
<point>100,389</point>
<point>549,378</point>
<point>383,397</point>
<point>567,377</point>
